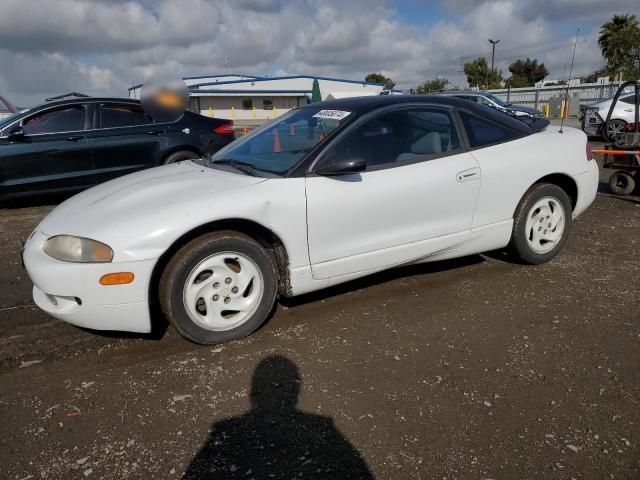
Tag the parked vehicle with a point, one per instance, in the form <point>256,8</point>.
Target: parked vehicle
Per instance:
<point>492,101</point>
<point>74,144</point>
<point>593,116</point>
<point>326,193</point>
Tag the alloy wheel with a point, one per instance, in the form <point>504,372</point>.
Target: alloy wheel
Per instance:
<point>223,291</point>
<point>545,225</point>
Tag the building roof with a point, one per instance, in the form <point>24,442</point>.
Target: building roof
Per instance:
<point>66,95</point>
<point>254,79</point>
<point>213,91</point>
<point>288,77</point>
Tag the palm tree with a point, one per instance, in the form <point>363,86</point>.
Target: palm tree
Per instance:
<point>617,40</point>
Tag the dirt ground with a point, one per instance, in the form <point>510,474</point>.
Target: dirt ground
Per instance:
<point>472,369</point>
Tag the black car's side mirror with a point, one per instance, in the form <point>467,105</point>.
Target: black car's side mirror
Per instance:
<point>16,135</point>
<point>342,166</point>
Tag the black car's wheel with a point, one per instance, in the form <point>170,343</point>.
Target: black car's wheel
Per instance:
<point>615,131</point>
<point>621,183</point>
<point>179,156</point>
<point>219,287</point>
<point>541,223</point>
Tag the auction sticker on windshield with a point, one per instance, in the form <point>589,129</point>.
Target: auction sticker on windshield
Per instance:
<point>332,114</point>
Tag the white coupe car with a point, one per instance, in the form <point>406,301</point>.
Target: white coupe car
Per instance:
<point>325,194</point>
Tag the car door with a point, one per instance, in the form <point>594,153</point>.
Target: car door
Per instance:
<point>416,197</point>
<point>53,155</point>
<point>125,140</point>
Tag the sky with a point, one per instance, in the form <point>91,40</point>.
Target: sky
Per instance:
<point>102,47</point>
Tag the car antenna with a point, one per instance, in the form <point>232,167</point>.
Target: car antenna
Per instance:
<point>566,98</point>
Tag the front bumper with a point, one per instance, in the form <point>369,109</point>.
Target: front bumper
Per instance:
<point>71,291</point>
<point>591,123</point>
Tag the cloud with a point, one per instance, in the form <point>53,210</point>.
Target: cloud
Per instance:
<point>31,77</point>
<point>101,47</point>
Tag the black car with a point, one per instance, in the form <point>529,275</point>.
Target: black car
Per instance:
<point>485,98</point>
<point>73,144</point>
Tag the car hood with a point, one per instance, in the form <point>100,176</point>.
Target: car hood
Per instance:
<point>137,194</point>
<point>601,104</point>
<point>522,108</point>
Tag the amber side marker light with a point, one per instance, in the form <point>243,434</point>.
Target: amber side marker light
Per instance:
<point>120,278</point>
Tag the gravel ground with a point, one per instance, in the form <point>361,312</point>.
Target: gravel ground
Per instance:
<point>476,368</point>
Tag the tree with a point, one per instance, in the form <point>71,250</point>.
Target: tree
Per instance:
<point>480,75</point>
<point>526,73</point>
<point>377,78</point>
<point>436,84</point>
<point>619,42</point>
<point>593,77</point>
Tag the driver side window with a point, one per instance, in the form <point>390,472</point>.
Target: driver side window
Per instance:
<point>402,136</point>
<point>66,119</point>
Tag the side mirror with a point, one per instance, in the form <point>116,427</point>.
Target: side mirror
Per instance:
<point>342,166</point>
<point>16,135</point>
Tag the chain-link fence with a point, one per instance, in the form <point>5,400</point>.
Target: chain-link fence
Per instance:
<point>536,97</point>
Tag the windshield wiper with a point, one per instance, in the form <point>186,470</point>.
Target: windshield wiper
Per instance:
<point>244,167</point>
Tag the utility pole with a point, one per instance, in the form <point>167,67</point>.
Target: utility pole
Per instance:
<point>493,51</point>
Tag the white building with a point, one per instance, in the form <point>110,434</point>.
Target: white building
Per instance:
<point>247,98</point>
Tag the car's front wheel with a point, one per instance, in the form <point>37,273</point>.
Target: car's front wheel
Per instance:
<point>541,223</point>
<point>219,287</point>
<point>615,131</point>
<point>180,156</point>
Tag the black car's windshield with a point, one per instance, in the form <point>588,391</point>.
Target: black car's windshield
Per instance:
<point>281,144</point>
<point>495,99</point>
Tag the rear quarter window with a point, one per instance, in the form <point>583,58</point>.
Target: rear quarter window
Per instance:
<point>482,132</point>
<point>629,99</point>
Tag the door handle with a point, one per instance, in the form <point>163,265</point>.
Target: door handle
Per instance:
<point>155,132</point>
<point>74,138</point>
<point>468,174</point>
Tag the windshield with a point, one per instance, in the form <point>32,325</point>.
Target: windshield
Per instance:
<point>495,99</point>
<point>280,145</point>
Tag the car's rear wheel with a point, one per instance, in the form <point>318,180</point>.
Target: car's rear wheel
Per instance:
<point>541,223</point>
<point>179,156</point>
<point>219,287</point>
<point>621,183</point>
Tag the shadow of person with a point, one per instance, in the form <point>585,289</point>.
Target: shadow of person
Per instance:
<point>275,439</point>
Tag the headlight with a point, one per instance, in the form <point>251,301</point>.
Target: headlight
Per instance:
<point>77,249</point>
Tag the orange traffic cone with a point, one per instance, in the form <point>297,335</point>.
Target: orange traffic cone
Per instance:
<point>276,141</point>
<point>245,130</point>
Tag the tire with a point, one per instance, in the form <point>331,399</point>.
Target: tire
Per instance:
<point>179,156</point>
<point>219,272</point>
<point>622,183</point>
<point>615,131</point>
<point>547,207</point>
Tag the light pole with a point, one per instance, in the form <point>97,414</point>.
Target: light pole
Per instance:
<point>493,51</point>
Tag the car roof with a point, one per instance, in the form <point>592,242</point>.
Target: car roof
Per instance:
<point>75,101</point>
<point>463,92</point>
<point>363,105</point>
